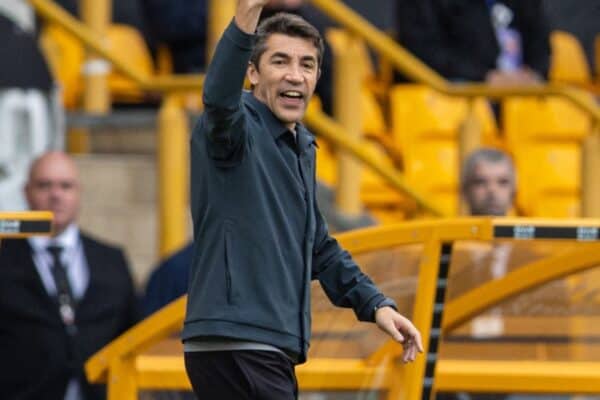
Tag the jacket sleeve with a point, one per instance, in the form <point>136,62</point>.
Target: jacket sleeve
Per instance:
<point>223,119</point>
<point>341,278</point>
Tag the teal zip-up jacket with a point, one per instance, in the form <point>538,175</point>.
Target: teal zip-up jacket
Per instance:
<point>259,238</point>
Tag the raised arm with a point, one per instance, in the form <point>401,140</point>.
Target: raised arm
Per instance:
<point>248,13</point>
<point>223,121</point>
<point>226,72</point>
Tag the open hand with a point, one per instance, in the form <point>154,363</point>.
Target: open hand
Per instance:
<point>401,330</point>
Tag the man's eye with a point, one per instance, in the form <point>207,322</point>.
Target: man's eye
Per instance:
<point>278,62</point>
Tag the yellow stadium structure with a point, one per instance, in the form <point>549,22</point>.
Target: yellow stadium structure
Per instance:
<point>504,305</point>
<point>547,342</point>
<point>425,126</point>
<point>545,137</point>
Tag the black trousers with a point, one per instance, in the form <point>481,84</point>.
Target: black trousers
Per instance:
<point>243,374</point>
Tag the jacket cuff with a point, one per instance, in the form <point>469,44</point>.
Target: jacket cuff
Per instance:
<point>386,302</point>
<point>367,311</point>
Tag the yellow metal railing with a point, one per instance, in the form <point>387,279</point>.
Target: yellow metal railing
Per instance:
<point>149,357</point>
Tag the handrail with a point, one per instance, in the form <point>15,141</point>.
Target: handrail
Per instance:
<point>160,324</point>
<point>328,129</point>
<point>331,131</point>
<point>405,62</point>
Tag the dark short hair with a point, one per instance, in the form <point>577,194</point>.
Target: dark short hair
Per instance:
<point>289,25</point>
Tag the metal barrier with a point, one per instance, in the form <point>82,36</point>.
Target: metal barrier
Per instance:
<point>149,356</point>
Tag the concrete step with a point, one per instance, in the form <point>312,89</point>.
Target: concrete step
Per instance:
<point>127,131</point>
<point>130,131</point>
<point>119,205</point>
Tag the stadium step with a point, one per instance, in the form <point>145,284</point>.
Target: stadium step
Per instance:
<point>119,205</point>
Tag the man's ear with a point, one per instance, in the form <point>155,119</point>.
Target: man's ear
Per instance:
<point>252,74</point>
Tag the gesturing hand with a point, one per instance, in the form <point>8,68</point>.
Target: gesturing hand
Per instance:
<point>401,330</point>
<point>248,13</point>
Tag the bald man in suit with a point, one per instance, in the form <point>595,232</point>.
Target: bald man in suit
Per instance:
<point>62,298</point>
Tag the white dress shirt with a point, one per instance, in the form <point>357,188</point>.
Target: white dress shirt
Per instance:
<point>78,274</point>
<point>72,258</point>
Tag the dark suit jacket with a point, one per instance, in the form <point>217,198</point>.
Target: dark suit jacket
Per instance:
<point>456,37</point>
<point>38,356</point>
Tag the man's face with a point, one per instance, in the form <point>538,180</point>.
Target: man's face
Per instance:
<point>491,189</point>
<point>54,185</point>
<point>286,77</point>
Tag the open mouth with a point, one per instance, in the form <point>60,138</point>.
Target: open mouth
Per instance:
<point>292,95</point>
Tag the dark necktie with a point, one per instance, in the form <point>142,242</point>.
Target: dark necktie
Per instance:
<point>66,301</point>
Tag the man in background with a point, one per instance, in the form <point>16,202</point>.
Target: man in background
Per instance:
<point>62,298</point>
<point>488,182</point>
<point>259,238</point>
<point>501,42</point>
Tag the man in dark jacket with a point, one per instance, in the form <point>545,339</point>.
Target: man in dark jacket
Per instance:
<point>498,41</point>
<point>61,298</point>
<point>259,236</point>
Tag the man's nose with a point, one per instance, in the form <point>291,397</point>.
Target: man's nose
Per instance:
<point>55,192</point>
<point>294,74</point>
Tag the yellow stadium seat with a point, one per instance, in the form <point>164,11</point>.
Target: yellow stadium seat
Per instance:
<point>544,136</point>
<point>568,62</point>
<point>425,125</point>
<point>373,120</point>
<point>129,45</point>
<point>65,56</point>
<point>548,183</point>
<point>550,118</point>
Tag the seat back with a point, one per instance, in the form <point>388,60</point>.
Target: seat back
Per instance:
<point>426,125</point>
<point>568,62</point>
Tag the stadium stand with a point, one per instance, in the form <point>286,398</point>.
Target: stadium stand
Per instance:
<point>425,126</point>
<point>545,135</point>
<point>412,131</point>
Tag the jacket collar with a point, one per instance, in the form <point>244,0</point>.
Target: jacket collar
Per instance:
<point>275,127</point>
